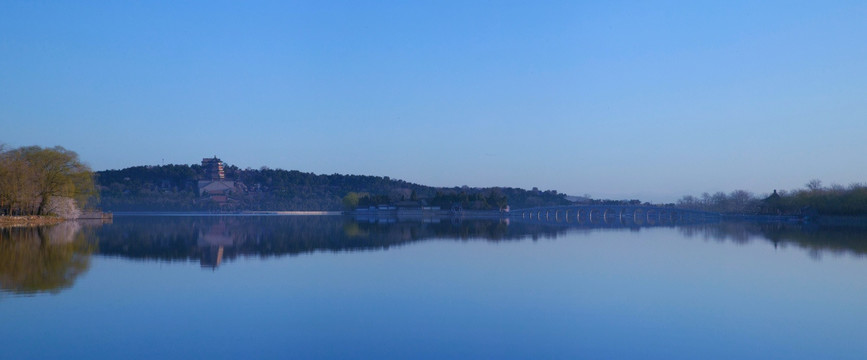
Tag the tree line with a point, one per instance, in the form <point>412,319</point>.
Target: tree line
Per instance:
<point>813,199</point>
<point>43,181</point>
<point>482,199</point>
<point>175,188</point>
<point>735,202</point>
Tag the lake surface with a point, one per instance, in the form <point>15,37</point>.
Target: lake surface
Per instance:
<point>334,287</point>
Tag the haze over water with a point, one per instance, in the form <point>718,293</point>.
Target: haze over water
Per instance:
<point>335,287</point>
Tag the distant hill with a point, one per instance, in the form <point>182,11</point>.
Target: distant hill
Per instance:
<point>176,188</point>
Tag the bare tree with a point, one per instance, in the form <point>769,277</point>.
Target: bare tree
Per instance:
<point>814,185</point>
<point>742,201</point>
<point>689,202</point>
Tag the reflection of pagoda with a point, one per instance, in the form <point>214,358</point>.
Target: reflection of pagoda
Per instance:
<point>211,257</point>
<point>214,185</point>
<point>212,243</point>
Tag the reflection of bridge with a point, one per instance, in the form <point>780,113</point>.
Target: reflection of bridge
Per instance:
<point>638,215</point>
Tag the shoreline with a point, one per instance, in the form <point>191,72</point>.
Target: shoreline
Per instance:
<point>30,220</point>
<point>235,213</point>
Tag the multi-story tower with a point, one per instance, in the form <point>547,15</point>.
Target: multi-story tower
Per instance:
<point>213,168</point>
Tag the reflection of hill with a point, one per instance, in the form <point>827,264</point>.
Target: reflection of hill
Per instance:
<point>814,238</point>
<point>37,259</point>
<point>214,239</point>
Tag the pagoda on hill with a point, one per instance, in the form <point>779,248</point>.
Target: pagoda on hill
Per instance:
<point>213,168</point>
<point>213,185</point>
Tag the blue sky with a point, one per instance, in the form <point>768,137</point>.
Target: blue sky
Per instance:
<point>649,100</point>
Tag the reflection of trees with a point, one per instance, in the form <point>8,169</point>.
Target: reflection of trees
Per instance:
<point>736,232</point>
<point>816,239</point>
<point>38,259</point>
<point>211,240</point>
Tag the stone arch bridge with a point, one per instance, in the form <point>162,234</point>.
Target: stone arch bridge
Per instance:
<point>640,215</point>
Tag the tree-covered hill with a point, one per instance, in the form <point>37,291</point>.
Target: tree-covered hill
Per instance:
<point>175,188</point>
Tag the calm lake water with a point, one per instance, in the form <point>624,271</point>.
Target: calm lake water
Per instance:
<point>157,287</point>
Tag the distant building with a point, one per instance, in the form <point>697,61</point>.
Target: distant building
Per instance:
<point>213,184</point>
<point>219,187</point>
<point>213,168</point>
<point>772,205</point>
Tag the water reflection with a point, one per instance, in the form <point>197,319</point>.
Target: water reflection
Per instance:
<point>814,238</point>
<point>44,258</point>
<point>49,259</point>
<point>214,240</point>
